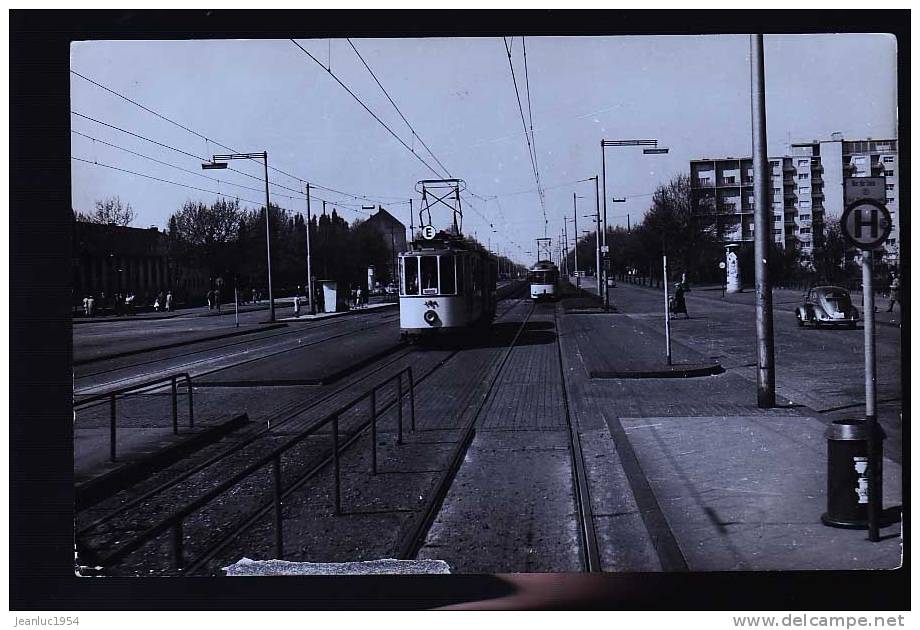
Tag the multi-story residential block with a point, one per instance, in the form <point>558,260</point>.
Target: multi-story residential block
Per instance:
<point>806,190</point>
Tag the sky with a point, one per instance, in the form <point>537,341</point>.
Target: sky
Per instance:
<point>691,93</point>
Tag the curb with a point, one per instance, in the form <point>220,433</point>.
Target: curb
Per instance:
<point>675,371</point>
<point>92,491</point>
<point>313,318</point>
<point>235,333</point>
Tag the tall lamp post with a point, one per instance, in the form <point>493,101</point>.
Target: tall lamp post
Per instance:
<point>310,294</point>
<point>651,149</point>
<point>219,162</point>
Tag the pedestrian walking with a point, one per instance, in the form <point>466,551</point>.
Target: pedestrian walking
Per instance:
<point>359,299</point>
<point>169,301</point>
<point>297,305</point>
<point>90,305</point>
<point>894,293</point>
<point>86,306</point>
<point>210,296</point>
<point>680,302</point>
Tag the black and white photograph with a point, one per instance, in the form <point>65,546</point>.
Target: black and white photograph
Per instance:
<point>522,305</point>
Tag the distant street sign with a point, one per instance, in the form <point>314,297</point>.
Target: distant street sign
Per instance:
<point>428,232</point>
<point>856,188</point>
<point>866,223</point>
<point>605,249</point>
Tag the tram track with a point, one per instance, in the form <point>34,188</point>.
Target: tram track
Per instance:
<point>580,487</point>
<point>414,539</point>
<point>158,495</point>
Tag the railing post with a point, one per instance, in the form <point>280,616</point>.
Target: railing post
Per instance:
<point>335,461</point>
<point>112,433</point>
<point>279,535</point>
<point>175,406</point>
<point>374,431</point>
<point>178,560</point>
<point>399,404</point>
<point>412,397</point>
<point>191,407</point>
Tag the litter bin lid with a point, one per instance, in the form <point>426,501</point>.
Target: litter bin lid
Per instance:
<point>847,429</point>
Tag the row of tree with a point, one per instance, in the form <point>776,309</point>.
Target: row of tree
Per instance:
<point>228,241</point>
<point>225,240</point>
<point>695,249</point>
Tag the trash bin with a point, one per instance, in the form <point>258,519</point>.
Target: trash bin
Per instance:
<point>848,474</point>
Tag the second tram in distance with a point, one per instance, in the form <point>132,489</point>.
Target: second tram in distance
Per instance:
<point>544,281</point>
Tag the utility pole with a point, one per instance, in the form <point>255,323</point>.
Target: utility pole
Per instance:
<point>310,294</point>
<point>597,212</point>
<point>763,297</point>
<point>604,288</point>
<point>575,218</point>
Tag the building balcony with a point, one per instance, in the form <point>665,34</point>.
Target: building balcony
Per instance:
<point>702,183</point>
<point>789,168</point>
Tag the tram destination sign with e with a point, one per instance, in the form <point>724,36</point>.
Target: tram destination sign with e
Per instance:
<point>866,223</point>
<point>428,232</point>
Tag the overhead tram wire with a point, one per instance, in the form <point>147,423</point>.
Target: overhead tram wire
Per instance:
<point>375,199</point>
<point>396,107</point>
<point>351,207</point>
<point>533,138</point>
<point>368,109</point>
<point>165,181</point>
<point>530,151</point>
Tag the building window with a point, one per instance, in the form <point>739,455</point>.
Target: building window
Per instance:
<point>891,241</point>
<point>804,190</point>
<point>777,232</point>
<point>777,217</point>
<point>804,203</point>
<point>888,159</point>
<point>806,244</point>
<point>889,199</point>
<point>804,217</point>
<point>804,162</point>
<point>889,173</point>
<point>804,230</point>
<point>803,175</point>
<point>889,186</point>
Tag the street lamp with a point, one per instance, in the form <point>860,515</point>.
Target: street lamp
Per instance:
<point>220,162</point>
<point>651,148</point>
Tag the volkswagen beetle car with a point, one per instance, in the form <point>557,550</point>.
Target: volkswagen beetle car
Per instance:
<point>827,306</point>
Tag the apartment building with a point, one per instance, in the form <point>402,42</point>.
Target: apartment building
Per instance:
<point>805,191</point>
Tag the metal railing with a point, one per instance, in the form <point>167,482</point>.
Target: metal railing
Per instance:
<point>112,396</point>
<point>174,522</point>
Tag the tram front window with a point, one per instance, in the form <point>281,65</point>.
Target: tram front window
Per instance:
<point>410,275</point>
<point>446,266</point>
<point>429,275</point>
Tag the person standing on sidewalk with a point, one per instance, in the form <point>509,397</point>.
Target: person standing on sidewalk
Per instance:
<point>169,301</point>
<point>297,304</point>
<point>894,293</point>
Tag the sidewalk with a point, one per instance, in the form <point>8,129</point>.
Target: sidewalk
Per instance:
<point>703,477</point>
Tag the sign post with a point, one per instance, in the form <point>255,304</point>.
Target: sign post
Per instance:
<point>667,307</point>
<point>724,276</point>
<point>866,224</point>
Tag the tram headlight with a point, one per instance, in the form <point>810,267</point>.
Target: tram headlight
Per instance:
<point>431,317</point>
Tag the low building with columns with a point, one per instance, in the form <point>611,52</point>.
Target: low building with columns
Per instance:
<point>110,259</point>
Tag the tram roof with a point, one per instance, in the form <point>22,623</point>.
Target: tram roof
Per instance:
<point>543,265</point>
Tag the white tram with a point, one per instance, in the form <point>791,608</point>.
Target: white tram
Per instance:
<point>544,281</point>
<point>445,284</point>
